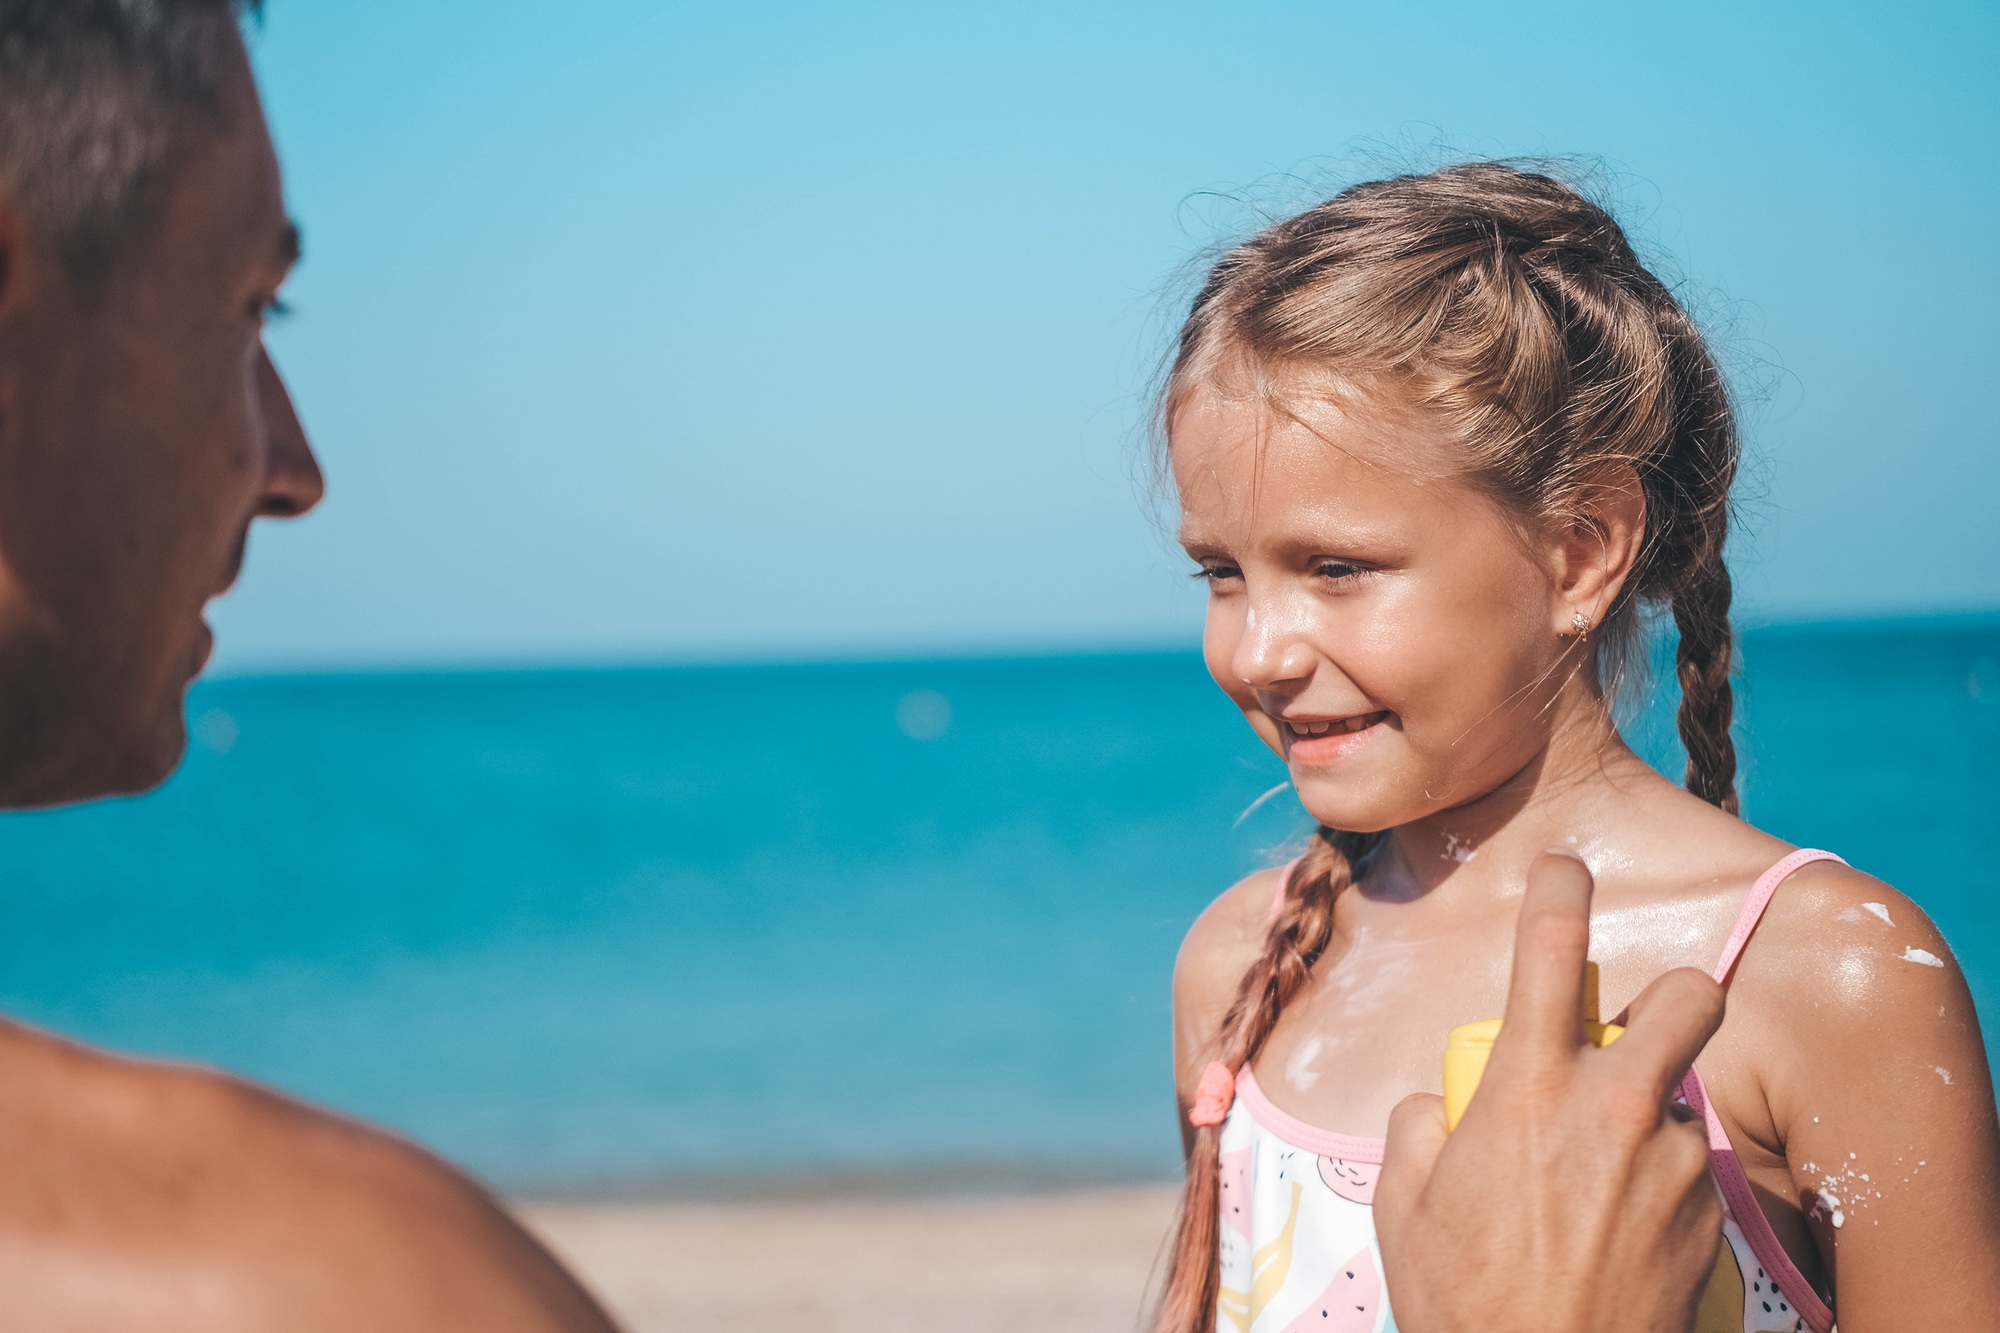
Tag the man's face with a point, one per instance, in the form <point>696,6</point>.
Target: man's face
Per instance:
<point>140,435</point>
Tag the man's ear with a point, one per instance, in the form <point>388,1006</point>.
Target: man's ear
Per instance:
<point>1596,552</point>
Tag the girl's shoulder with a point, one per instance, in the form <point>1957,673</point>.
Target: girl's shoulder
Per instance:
<point>1220,947</point>
<point>1836,943</point>
<point>1846,988</point>
<point>1825,932</point>
<point>1228,935</point>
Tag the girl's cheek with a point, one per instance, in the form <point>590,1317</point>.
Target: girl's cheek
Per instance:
<point>1222,634</point>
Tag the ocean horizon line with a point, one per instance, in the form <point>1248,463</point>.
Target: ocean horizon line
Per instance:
<point>974,654</point>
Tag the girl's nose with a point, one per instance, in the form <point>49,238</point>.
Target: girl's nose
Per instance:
<point>1271,651</point>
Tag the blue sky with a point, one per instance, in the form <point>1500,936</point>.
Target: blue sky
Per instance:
<point>656,332</point>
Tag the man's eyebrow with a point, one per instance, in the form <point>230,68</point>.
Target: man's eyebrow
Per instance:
<point>291,244</point>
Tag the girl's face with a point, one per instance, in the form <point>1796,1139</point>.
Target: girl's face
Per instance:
<point>1384,625</point>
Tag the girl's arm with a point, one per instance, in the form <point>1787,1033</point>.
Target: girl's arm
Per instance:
<point>1884,1103</point>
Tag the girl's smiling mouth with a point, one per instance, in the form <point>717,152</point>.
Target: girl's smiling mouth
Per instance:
<point>1320,740</point>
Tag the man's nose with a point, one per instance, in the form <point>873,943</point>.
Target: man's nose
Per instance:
<point>293,483</point>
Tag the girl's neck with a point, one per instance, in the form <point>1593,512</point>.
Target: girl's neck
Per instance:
<point>1564,796</point>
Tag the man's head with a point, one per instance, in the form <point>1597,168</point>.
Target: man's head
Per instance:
<point>143,238</point>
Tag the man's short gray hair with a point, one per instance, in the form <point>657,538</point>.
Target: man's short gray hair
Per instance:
<point>92,95</point>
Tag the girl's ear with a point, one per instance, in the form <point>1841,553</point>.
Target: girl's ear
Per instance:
<point>1595,554</point>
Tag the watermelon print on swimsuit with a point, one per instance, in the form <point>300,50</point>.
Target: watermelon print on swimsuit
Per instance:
<point>1350,1302</point>
<point>1298,1237</point>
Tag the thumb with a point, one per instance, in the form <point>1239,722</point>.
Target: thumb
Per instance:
<point>1417,1134</point>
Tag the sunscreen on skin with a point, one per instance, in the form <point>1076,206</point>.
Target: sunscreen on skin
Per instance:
<point>1467,1047</point>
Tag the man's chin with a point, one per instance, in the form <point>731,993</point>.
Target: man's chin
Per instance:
<point>97,767</point>
<point>79,727</point>
<point>153,748</point>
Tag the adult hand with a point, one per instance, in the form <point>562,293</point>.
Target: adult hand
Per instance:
<point>1574,1197</point>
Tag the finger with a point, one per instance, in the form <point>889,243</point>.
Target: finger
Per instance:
<point>1666,1028</point>
<point>1417,1134</point>
<point>1545,999</point>
<point>1683,1163</point>
<point>1701,1202</point>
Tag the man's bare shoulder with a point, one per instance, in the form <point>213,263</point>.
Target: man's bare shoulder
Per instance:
<point>143,1195</point>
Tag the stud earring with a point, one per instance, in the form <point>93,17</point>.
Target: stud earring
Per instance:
<point>1581,623</point>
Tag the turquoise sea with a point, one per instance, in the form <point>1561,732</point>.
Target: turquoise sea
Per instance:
<point>787,926</point>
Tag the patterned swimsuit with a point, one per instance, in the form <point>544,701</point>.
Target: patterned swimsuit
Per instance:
<point>1298,1227</point>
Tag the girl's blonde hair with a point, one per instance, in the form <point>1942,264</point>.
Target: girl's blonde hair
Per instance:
<point>1515,310</point>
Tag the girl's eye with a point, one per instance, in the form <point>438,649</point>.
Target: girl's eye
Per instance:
<point>1217,572</point>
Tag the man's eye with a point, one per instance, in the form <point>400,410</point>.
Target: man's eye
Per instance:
<point>1337,569</point>
<point>266,308</point>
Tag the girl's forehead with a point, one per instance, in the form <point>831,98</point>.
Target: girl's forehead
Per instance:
<point>1267,461</point>
<point>1343,430</point>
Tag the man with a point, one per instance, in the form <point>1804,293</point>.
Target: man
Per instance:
<point>143,428</point>
<point>143,238</point>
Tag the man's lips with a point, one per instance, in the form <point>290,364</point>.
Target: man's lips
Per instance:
<point>1320,739</point>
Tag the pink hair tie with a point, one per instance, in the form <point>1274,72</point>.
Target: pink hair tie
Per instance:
<point>1213,1095</point>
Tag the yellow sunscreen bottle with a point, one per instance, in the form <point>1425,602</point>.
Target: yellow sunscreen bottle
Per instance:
<point>1467,1047</point>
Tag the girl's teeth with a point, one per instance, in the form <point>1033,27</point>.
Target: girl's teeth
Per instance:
<point>1305,728</point>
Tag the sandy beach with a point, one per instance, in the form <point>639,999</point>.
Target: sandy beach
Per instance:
<point>1056,1263</point>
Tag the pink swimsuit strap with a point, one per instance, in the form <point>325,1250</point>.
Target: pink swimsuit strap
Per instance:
<point>1723,1162</point>
<point>1760,897</point>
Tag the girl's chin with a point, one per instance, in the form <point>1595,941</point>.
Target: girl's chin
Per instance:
<point>1340,805</point>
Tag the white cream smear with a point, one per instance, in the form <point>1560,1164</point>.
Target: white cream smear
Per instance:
<point>1599,857</point>
<point>1912,954</point>
<point>1355,1002</point>
<point>1840,1194</point>
<point>1299,1069</point>
<point>1942,1073</point>
<point>1457,849</point>
<point>1879,909</point>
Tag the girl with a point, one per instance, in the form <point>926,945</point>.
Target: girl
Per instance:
<point>1439,444</point>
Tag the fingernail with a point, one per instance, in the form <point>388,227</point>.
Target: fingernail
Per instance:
<point>1564,851</point>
